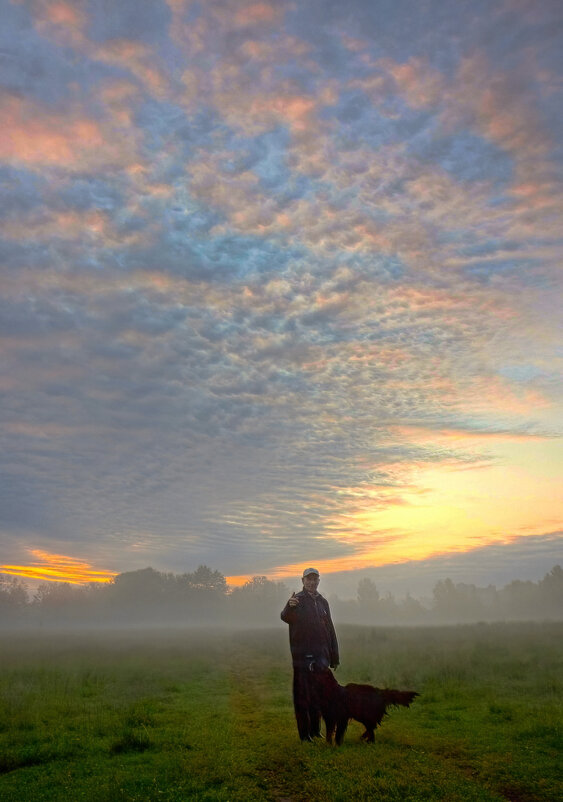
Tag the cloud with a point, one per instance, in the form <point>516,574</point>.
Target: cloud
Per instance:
<point>58,568</point>
<point>264,271</point>
<point>33,137</point>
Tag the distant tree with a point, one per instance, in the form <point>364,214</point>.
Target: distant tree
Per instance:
<point>519,600</point>
<point>550,593</point>
<point>368,594</point>
<point>13,598</point>
<point>411,611</point>
<point>388,609</point>
<point>259,600</point>
<point>368,601</point>
<point>207,580</point>
<point>490,602</point>
<point>55,595</point>
<point>203,596</point>
<point>140,596</point>
<point>446,602</point>
<point>150,596</point>
<point>142,586</point>
<point>60,603</point>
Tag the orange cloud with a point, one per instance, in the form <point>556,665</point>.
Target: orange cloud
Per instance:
<point>502,114</point>
<point>63,22</point>
<point>293,109</point>
<point>58,568</point>
<point>33,136</point>
<point>66,24</point>
<point>425,434</point>
<point>67,225</point>
<point>139,59</point>
<point>64,14</point>
<point>497,106</point>
<point>422,85</point>
<point>256,13</point>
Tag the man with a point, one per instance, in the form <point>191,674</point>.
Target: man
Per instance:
<point>313,645</point>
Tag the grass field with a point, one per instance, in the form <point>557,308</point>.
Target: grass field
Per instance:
<point>208,716</point>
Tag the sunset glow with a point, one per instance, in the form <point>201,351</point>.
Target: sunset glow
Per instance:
<point>57,568</point>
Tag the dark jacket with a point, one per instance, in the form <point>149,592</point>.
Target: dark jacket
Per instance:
<point>311,632</point>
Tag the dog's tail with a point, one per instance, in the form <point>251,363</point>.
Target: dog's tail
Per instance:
<point>395,698</point>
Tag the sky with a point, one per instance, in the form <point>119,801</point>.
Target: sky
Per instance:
<point>280,286</point>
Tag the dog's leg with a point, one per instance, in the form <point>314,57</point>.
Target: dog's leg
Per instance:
<point>341,728</point>
<point>330,726</point>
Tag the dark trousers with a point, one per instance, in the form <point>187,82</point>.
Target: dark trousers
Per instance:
<point>307,711</point>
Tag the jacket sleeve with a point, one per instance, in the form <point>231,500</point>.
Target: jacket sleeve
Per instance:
<point>288,614</point>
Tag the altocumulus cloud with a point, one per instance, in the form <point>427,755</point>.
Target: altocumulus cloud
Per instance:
<point>275,281</point>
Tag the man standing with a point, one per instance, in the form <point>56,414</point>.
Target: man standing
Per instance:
<point>313,645</point>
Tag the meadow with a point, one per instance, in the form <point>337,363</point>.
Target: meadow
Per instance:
<point>195,715</point>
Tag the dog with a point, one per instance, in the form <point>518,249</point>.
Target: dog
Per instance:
<point>364,703</point>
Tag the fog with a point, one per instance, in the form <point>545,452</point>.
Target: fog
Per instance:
<point>149,598</point>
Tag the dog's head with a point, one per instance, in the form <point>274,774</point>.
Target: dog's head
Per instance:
<point>325,678</point>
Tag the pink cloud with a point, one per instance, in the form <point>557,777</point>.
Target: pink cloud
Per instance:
<point>421,433</point>
<point>33,136</point>
<point>65,225</point>
<point>493,103</point>
<point>421,84</point>
<point>138,59</point>
<point>66,23</point>
<point>254,13</point>
<point>295,110</point>
<point>61,21</point>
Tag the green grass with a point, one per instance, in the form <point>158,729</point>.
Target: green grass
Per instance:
<point>193,716</point>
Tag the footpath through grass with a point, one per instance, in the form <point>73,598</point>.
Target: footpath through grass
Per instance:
<point>192,716</point>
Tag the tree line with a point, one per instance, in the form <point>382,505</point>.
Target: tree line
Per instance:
<point>148,597</point>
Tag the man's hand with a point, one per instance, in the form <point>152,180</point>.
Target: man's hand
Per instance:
<point>294,601</point>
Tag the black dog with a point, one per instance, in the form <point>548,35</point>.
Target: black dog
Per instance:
<point>364,703</point>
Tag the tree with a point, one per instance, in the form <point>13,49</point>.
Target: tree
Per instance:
<point>368,601</point>
<point>411,610</point>
<point>446,600</point>
<point>60,602</point>
<point>259,600</point>
<point>368,594</point>
<point>551,592</point>
<point>139,587</point>
<point>519,599</point>
<point>13,597</point>
<point>205,579</point>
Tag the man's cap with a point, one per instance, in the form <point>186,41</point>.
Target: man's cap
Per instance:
<point>309,571</point>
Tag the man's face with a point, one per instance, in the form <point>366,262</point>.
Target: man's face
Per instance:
<point>310,582</point>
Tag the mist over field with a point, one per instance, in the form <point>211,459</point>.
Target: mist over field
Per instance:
<point>203,598</point>
<point>206,714</point>
<point>280,285</point>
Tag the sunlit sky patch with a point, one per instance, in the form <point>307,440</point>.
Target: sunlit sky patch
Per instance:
<point>280,285</point>
<point>45,567</point>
